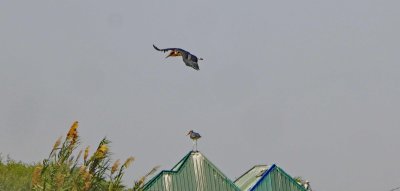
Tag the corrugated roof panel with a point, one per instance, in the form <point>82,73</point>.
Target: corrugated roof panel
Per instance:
<point>251,177</point>
<point>196,173</point>
<point>275,179</point>
<point>193,173</point>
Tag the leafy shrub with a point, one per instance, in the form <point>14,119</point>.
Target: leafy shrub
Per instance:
<point>15,175</point>
<point>63,171</point>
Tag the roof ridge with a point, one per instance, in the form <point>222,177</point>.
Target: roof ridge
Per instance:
<point>273,167</point>
<point>220,173</point>
<point>180,165</point>
<point>263,177</point>
<point>182,161</point>
<point>290,178</point>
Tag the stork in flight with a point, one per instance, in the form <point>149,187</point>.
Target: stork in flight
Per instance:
<point>194,136</point>
<point>188,58</point>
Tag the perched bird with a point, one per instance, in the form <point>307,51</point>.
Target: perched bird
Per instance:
<point>194,136</point>
<point>188,58</point>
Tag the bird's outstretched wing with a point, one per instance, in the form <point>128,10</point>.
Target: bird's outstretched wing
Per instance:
<point>172,49</point>
<point>163,50</point>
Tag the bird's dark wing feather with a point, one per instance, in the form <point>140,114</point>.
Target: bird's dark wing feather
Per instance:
<point>193,58</point>
<point>163,50</point>
<point>197,135</point>
<point>168,49</point>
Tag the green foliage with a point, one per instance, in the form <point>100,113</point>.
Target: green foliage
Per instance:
<point>138,185</point>
<point>62,170</point>
<point>299,180</point>
<point>15,175</point>
<point>66,170</point>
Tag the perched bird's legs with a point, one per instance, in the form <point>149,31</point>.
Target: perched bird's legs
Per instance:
<point>194,136</point>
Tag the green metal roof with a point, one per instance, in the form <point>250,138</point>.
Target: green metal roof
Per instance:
<point>251,177</point>
<point>267,178</point>
<point>193,173</point>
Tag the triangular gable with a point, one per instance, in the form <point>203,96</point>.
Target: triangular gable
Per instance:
<point>192,172</point>
<point>276,179</point>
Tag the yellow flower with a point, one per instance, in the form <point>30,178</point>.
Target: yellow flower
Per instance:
<point>115,166</point>
<point>141,181</point>
<point>73,133</point>
<point>85,156</point>
<point>87,177</point>
<point>36,176</point>
<point>82,170</point>
<point>87,185</point>
<point>128,162</point>
<point>103,149</point>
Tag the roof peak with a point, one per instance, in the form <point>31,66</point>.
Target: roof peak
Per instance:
<point>196,168</point>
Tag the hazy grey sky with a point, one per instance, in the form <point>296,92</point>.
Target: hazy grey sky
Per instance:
<point>312,86</point>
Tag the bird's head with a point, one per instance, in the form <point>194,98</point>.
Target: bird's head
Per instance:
<point>174,53</point>
<point>190,132</point>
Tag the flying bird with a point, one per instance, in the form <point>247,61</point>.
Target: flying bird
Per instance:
<point>194,136</point>
<point>188,58</point>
